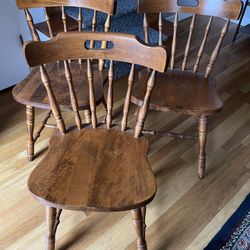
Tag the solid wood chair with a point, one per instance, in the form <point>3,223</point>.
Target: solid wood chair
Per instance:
<point>31,91</point>
<point>101,167</point>
<point>184,89</point>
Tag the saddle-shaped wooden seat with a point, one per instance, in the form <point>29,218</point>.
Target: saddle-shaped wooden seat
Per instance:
<point>31,91</point>
<point>104,170</point>
<point>181,91</point>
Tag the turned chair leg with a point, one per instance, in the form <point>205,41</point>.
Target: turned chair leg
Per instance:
<point>143,212</point>
<point>137,218</point>
<point>30,120</point>
<point>51,214</point>
<point>202,145</point>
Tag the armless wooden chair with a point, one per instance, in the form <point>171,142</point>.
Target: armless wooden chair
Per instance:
<point>184,89</point>
<point>102,167</point>
<point>31,91</point>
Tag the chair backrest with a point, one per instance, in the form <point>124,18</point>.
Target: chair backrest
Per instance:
<point>106,6</point>
<point>228,9</point>
<point>72,45</point>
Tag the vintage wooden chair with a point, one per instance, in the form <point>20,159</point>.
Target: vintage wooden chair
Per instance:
<point>102,167</point>
<point>181,89</point>
<point>31,91</point>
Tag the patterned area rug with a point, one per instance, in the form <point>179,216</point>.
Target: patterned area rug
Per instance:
<point>235,234</point>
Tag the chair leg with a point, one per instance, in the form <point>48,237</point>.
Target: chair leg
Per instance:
<point>139,228</point>
<point>143,211</point>
<point>30,120</point>
<point>202,146</point>
<point>51,222</point>
<point>57,222</point>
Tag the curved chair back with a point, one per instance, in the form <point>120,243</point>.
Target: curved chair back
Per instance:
<point>229,9</point>
<point>72,45</point>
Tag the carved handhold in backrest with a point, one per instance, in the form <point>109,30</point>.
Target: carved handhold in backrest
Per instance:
<point>190,3</point>
<point>145,106</point>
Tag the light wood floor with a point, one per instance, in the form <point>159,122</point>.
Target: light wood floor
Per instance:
<point>185,214</point>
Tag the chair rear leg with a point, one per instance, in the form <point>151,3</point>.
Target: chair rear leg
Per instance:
<point>30,120</point>
<point>51,224</point>
<point>143,211</point>
<point>202,145</point>
<point>137,218</point>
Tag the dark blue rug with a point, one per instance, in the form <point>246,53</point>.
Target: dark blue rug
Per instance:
<point>235,234</point>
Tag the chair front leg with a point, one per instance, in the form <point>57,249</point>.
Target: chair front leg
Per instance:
<point>30,120</point>
<point>137,218</point>
<point>202,145</point>
<point>51,223</point>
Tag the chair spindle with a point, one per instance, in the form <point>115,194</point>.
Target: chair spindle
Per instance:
<point>47,19</point>
<point>80,26</point>
<point>64,19</point>
<point>128,98</point>
<point>31,25</point>
<point>160,29</point>
<point>110,95</point>
<point>105,43</point>
<point>217,49</point>
<point>144,108</point>
<point>145,27</point>
<point>202,47</point>
<point>173,49</point>
<point>52,100</point>
<point>92,43</point>
<point>91,94</point>
<point>187,49</point>
<point>73,98</point>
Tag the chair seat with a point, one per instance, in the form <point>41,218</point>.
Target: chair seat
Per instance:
<point>98,169</point>
<point>180,91</point>
<point>32,92</point>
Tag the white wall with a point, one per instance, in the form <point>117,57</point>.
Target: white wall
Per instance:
<point>13,67</point>
<point>246,19</point>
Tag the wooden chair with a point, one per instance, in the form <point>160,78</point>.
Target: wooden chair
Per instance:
<point>102,167</point>
<point>31,91</point>
<point>181,89</point>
